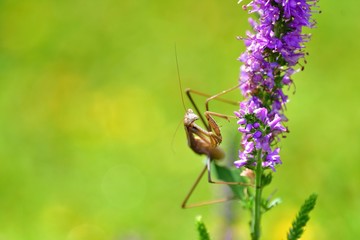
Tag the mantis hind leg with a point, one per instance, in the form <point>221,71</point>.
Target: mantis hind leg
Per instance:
<point>192,189</point>
<point>210,180</point>
<point>207,168</point>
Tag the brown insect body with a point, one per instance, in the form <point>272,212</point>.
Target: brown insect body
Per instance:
<point>201,141</point>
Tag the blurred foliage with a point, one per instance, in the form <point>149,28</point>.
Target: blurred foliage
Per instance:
<point>201,229</point>
<point>301,219</point>
<point>90,104</point>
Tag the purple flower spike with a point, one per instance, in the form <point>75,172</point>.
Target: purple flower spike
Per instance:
<point>274,156</point>
<point>273,51</point>
<point>257,134</point>
<point>262,114</point>
<point>275,124</point>
<point>241,163</point>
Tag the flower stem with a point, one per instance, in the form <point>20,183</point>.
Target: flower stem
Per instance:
<point>256,216</point>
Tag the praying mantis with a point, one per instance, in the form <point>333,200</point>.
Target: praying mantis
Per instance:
<point>206,141</point>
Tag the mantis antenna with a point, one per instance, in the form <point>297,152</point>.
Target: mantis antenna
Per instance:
<point>181,94</point>
<point>178,73</point>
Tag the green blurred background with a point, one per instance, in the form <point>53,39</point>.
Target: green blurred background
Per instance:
<point>90,105</point>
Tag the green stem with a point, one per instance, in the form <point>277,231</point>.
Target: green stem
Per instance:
<point>256,216</point>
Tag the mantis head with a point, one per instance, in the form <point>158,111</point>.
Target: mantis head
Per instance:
<point>190,117</point>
